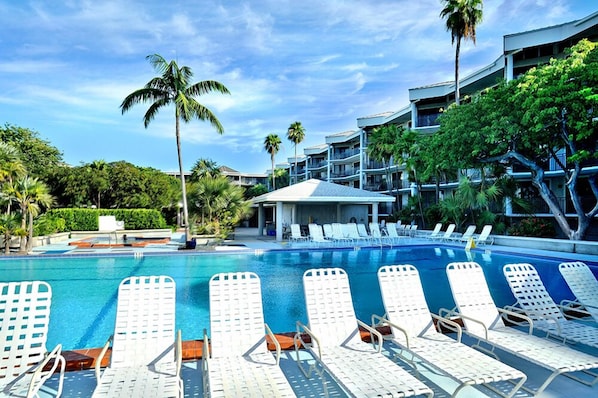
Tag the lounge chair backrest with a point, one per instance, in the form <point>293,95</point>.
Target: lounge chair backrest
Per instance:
<point>363,232</point>
<point>531,295</point>
<point>404,300</point>
<point>485,234</point>
<point>145,320</point>
<point>346,231</point>
<point>329,305</point>
<point>24,319</point>
<point>296,231</point>
<point>449,231</point>
<point>472,296</point>
<point>353,231</point>
<point>236,314</point>
<point>469,232</point>
<point>391,229</point>
<point>436,230</point>
<point>375,230</point>
<point>583,284</point>
<point>315,231</point>
<point>328,231</point>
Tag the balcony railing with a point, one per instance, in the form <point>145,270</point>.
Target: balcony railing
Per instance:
<point>344,154</point>
<point>344,173</point>
<point>317,164</point>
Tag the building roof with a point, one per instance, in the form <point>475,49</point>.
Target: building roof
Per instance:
<point>317,191</point>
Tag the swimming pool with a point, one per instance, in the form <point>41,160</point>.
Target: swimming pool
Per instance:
<point>85,288</point>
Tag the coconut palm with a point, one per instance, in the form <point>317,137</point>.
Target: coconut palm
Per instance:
<point>462,17</point>
<point>173,87</point>
<point>272,146</point>
<point>204,168</point>
<point>9,227</point>
<point>296,134</point>
<point>11,166</point>
<point>31,195</point>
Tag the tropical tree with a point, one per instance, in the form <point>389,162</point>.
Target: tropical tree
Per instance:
<point>11,166</point>
<point>10,225</point>
<point>174,87</point>
<point>533,120</point>
<point>31,195</point>
<point>462,17</point>
<point>204,168</point>
<point>296,134</point>
<point>98,175</point>
<point>272,146</point>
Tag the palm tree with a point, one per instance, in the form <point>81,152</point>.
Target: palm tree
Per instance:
<point>173,87</point>
<point>462,17</point>
<point>296,134</point>
<point>9,227</point>
<point>272,146</point>
<point>11,166</point>
<point>205,168</point>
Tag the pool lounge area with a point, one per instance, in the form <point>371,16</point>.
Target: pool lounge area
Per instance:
<point>82,381</point>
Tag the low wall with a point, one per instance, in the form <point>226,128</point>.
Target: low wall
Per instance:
<point>561,245</point>
<point>142,233</point>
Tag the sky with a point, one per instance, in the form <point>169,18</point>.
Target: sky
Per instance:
<point>66,66</point>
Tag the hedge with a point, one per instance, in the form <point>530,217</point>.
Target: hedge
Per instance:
<point>87,219</point>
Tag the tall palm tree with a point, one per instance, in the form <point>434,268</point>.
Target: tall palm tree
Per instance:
<point>174,87</point>
<point>205,168</point>
<point>272,146</point>
<point>462,17</point>
<point>11,166</point>
<point>296,134</point>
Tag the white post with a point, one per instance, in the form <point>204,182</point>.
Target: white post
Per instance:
<point>260,219</point>
<point>278,217</point>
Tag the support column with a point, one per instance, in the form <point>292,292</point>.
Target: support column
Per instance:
<point>260,219</point>
<point>374,212</point>
<point>278,217</point>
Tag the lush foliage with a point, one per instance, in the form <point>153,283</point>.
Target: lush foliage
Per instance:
<point>87,219</point>
<point>533,227</point>
<point>527,121</point>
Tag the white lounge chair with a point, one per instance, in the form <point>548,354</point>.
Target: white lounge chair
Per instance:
<point>316,235</point>
<point>584,286</point>
<point>413,329</point>
<point>338,233</point>
<point>239,363</point>
<point>448,234</point>
<point>435,232</point>
<point>363,232</point>
<point>377,234</point>
<point>391,231</point>
<point>296,235</point>
<point>484,322</point>
<point>24,319</point>
<point>336,344</point>
<point>467,235</point>
<point>353,233</point>
<point>533,299</point>
<point>484,237</point>
<point>146,355</point>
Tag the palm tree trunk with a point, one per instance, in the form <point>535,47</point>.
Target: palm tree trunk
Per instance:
<point>296,176</point>
<point>183,185</point>
<point>23,240</point>
<point>30,233</point>
<point>273,176</point>
<point>457,91</point>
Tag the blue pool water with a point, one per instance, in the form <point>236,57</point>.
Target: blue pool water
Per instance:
<point>85,288</point>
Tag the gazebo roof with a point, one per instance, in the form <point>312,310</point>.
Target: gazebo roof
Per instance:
<point>317,191</point>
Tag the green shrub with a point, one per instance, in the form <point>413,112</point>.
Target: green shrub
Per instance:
<point>533,227</point>
<point>87,219</point>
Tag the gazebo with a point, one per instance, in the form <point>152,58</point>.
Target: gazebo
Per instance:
<point>319,202</point>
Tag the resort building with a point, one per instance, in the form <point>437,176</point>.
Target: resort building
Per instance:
<point>343,158</point>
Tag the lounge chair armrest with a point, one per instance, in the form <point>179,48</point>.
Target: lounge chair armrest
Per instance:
<point>373,332</point>
<point>516,313</point>
<point>178,351</point>
<point>100,358</point>
<point>568,306</point>
<point>460,315</point>
<point>305,329</point>
<point>40,376</point>
<point>449,324</point>
<point>275,341</point>
<point>383,321</point>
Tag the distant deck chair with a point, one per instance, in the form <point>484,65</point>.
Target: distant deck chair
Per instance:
<point>336,344</point>
<point>377,234</point>
<point>237,361</point>
<point>338,233</point>
<point>24,320</point>
<point>316,235</point>
<point>467,235</point>
<point>435,232</point>
<point>484,237</point>
<point>353,233</point>
<point>584,286</point>
<point>484,322</point>
<point>296,235</point>
<point>146,354</point>
<point>448,234</point>
<point>535,302</point>
<point>413,329</point>
<point>363,232</point>
<point>393,235</point>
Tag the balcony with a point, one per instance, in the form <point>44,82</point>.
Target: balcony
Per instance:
<point>317,164</point>
<point>345,173</point>
<point>345,154</point>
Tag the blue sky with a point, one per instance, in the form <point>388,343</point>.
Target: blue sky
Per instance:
<point>66,65</point>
